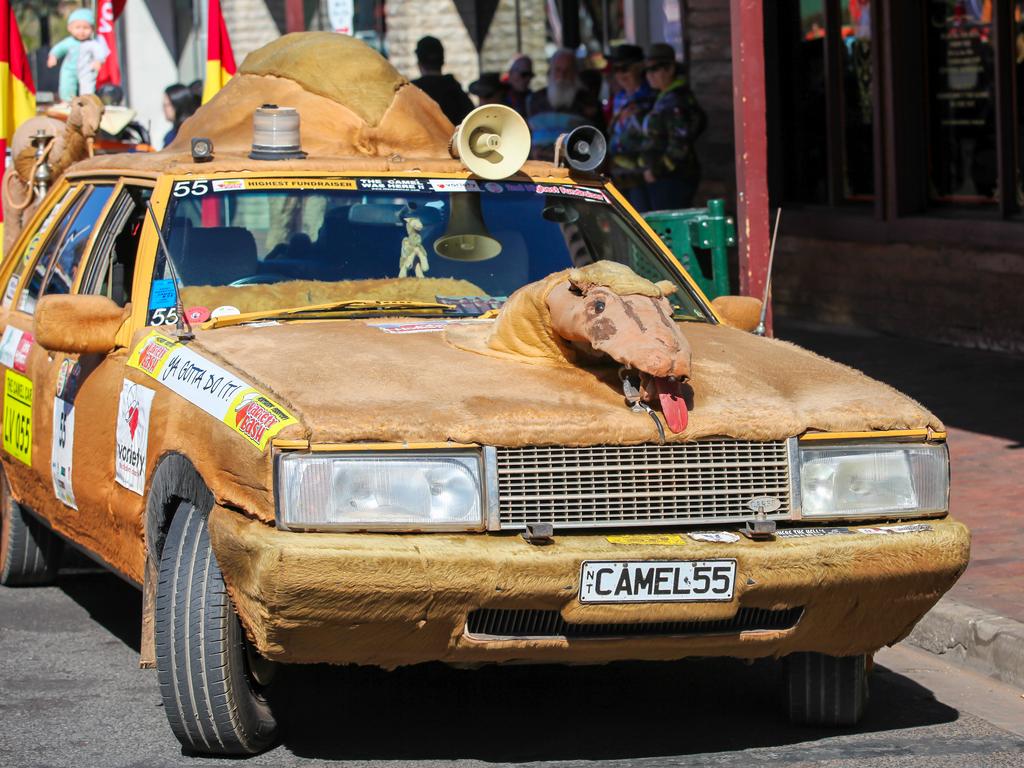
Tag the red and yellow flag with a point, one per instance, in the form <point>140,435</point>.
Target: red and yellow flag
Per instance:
<point>17,90</point>
<point>220,60</point>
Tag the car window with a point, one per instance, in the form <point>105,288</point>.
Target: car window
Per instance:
<point>64,245</point>
<point>439,240</point>
<point>111,267</point>
<point>69,254</point>
<point>32,246</point>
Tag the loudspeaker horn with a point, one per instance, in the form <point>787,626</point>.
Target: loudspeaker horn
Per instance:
<point>466,238</point>
<point>582,149</point>
<point>493,141</point>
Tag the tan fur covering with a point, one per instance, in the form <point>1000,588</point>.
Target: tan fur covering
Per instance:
<point>351,101</point>
<point>742,312</point>
<point>298,293</point>
<point>619,278</point>
<point>416,387</point>
<point>78,324</point>
<point>391,600</point>
<point>337,67</point>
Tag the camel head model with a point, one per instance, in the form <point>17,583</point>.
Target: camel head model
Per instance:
<point>598,312</point>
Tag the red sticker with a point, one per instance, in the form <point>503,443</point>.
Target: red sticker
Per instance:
<point>21,353</point>
<point>197,314</point>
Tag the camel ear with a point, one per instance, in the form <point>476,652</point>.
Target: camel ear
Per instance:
<point>666,287</point>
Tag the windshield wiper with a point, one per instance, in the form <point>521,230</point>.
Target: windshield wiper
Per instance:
<point>334,307</point>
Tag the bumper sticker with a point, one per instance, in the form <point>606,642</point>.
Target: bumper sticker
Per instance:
<point>800,533</point>
<point>220,393</point>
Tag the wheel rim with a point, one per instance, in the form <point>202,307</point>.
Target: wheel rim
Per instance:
<point>259,670</point>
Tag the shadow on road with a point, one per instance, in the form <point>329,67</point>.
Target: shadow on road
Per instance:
<point>529,713</point>
<point>971,389</point>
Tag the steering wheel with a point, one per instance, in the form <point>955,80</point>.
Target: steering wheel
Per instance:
<point>269,277</point>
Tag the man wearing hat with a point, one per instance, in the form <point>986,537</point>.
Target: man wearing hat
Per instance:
<point>444,89</point>
<point>671,128</point>
<point>83,55</point>
<point>632,101</point>
<point>518,79</point>
<point>489,89</point>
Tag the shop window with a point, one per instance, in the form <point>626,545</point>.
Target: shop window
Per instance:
<point>823,108</point>
<point>963,162</point>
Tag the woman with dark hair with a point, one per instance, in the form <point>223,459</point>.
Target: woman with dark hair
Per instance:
<point>179,104</point>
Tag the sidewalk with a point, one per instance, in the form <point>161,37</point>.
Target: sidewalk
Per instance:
<point>980,397</point>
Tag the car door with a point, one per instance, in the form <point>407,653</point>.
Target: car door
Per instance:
<point>39,427</point>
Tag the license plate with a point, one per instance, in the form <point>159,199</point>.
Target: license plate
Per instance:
<point>657,581</point>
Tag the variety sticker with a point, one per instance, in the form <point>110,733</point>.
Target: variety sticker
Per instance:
<point>133,435</point>
<point>18,416</point>
<point>454,185</point>
<point>62,450</point>
<point>215,390</point>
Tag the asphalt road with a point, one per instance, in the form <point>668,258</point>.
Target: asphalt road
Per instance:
<point>71,694</point>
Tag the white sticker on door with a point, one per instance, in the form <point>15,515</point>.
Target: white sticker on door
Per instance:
<point>63,450</point>
<point>133,435</point>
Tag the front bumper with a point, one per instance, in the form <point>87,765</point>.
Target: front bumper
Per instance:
<point>391,600</point>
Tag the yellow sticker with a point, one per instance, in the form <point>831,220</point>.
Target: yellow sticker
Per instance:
<point>649,539</point>
<point>256,417</point>
<point>18,416</point>
<point>216,390</point>
<point>251,184</point>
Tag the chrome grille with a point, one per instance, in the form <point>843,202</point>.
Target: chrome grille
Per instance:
<point>497,622</point>
<point>708,481</point>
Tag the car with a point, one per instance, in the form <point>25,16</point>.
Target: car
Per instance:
<point>327,389</point>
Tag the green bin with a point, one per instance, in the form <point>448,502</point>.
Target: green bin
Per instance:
<point>707,228</point>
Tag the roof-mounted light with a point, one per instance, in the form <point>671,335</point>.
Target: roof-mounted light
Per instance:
<point>275,134</point>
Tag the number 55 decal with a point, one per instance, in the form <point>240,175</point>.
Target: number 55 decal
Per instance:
<point>194,187</point>
<point>163,316</point>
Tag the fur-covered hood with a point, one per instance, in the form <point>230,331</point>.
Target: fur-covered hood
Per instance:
<point>358,380</point>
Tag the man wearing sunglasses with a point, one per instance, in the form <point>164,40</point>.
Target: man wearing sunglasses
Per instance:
<point>671,129</point>
<point>518,79</point>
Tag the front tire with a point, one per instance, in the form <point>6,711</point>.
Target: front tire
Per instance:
<point>826,690</point>
<point>29,551</point>
<point>212,701</point>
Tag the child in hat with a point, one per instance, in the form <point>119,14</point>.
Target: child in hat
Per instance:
<point>82,53</point>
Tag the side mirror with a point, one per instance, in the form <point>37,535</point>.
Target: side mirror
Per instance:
<point>78,324</point>
<point>741,312</point>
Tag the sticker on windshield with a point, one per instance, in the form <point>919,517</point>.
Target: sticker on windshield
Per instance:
<point>220,393</point>
<point>162,294</point>
<point>189,187</point>
<point>62,451</point>
<point>454,185</point>
<point>18,416</point>
<point>133,435</point>
<point>392,184</point>
<point>197,314</point>
<point>228,185</point>
<point>586,193</point>
<point>12,286</point>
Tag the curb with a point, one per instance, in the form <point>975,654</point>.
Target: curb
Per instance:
<point>985,642</point>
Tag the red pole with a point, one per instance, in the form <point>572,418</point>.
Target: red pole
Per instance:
<point>748,99</point>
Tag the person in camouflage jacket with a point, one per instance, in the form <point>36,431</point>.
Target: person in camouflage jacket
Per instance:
<point>671,128</point>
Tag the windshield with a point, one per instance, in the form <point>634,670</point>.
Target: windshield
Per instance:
<point>260,245</point>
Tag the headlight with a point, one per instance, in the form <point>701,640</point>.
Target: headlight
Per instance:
<point>393,491</point>
<point>874,480</point>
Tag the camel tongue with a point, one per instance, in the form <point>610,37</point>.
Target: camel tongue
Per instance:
<point>672,404</point>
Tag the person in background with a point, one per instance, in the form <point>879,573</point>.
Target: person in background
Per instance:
<point>179,104</point>
<point>518,79</point>
<point>671,129</point>
<point>444,89</point>
<point>563,105</point>
<point>489,89</point>
<point>632,101</point>
<point>196,86</point>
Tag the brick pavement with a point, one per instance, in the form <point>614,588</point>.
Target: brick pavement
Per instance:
<point>978,395</point>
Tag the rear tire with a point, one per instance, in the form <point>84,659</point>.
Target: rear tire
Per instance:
<point>29,551</point>
<point>826,690</point>
<point>211,699</point>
